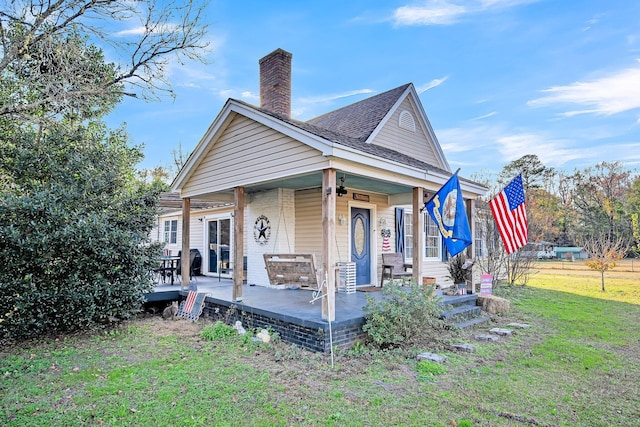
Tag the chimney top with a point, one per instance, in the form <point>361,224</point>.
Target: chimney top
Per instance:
<point>275,82</point>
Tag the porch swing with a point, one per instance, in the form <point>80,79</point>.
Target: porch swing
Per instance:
<point>291,269</point>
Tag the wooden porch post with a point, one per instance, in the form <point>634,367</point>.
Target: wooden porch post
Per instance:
<point>418,234</point>
<point>238,244</point>
<point>329,242</point>
<point>186,227</point>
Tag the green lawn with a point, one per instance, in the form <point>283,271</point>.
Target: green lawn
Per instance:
<point>578,365</point>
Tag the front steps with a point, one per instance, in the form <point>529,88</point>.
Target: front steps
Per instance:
<point>463,312</point>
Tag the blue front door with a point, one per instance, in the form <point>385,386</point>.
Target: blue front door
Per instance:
<point>360,244</point>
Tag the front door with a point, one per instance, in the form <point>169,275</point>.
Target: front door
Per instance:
<point>360,244</point>
<point>219,245</point>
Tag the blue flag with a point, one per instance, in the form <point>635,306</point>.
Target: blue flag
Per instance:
<point>447,210</point>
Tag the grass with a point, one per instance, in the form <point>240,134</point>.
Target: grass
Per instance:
<point>578,365</point>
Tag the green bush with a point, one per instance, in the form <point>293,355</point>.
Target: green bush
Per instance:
<point>74,231</point>
<point>428,370</point>
<point>404,316</point>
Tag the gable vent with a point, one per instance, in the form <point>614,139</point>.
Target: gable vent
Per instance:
<point>406,121</point>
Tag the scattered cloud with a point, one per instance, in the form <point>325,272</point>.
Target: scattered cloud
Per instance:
<point>612,94</point>
<point>445,12</point>
<point>250,96</point>
<point>334,97</point>
<point>551,152</point>
<point>141,30</point>
<point>485,116</point>
<point>433,83</point>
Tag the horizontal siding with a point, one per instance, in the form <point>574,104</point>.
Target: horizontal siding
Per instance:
<point>415,144</point>
<point>309,223</point>
<point>248,152</point>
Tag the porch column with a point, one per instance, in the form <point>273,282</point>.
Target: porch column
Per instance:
<point>418,234</point>
<point>186,228</point>
<point>238,243</point>
<point>329,242</point>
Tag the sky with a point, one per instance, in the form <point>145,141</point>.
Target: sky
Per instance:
<point>498,79</point>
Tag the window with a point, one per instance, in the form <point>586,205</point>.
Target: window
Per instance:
<point>408,237</point>
<point>433,239</point>
<point>433,246</point>
<point>171,231</point>
<point>479,240</point>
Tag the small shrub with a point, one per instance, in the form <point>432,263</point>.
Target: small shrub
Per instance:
<point>465,423</point>
<point>403,316</point>
<point>218,331</point>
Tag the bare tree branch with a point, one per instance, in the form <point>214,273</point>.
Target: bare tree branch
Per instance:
<point>47,46</point>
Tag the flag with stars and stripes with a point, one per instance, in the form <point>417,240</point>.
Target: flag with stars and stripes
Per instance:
<point>509,212</point>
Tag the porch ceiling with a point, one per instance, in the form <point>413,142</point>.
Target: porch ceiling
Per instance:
<point>314,180</point>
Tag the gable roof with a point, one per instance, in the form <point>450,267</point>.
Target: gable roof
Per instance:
<point>352,126</point>
<point>360,119</point>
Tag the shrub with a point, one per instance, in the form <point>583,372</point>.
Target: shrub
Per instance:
<point>405,315</point>
<point>428,370</point>
<point>74,227</point>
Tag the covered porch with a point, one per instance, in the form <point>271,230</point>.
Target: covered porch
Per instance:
<point>293,313</point>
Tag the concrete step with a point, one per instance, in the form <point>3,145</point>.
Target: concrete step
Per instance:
<point>461,313</point>
<point>471,322</point>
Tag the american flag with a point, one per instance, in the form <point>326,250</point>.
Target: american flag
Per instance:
<point>510,214</point>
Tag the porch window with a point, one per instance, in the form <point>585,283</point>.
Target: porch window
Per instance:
<point>433,241</point>
<point>478,241</point>
<point>171,231</point>
<point>432,238</point>
<point>408,237</point>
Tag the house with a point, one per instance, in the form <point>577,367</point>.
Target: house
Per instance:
<point>344,187</point>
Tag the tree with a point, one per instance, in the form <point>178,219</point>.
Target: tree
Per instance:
<point>50,68</point>
<point>75,224</point>
<point>598,197</point>
<point>75,216</point>
<point>605,251</point>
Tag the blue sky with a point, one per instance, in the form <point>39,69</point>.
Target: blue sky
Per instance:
<point>498,79</point>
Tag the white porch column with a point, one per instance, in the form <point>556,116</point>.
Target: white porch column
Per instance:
<point>418,234</point>
<point>329,242</point>
<point>185,266</point>
<point>238,244</point>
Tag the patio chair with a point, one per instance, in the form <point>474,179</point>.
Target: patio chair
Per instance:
<point>394,267</point>
<point>193,264</point>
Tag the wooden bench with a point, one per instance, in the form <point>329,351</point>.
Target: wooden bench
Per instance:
<point>292,269</point>
<point>394,267</point>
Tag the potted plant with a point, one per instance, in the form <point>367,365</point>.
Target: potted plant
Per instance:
<point>460,271</point>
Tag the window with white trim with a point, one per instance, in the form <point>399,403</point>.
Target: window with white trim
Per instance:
<point>433,241</point>
<point>408,237</point>
<point>432,238</point>
<point>170,231</point>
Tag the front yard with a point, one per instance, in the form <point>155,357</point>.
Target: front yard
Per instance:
<point>578,364</point>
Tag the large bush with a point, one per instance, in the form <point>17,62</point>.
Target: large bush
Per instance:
<point>404,316</point>
<point>74,230</point>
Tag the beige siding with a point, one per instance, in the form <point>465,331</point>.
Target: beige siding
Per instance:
<point>309,223</point>
<point>415,144</point>
<point>249,152</point>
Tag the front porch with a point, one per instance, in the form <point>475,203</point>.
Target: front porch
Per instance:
<point>290,312</point>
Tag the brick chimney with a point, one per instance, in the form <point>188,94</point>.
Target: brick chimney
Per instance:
<point>275,82</point>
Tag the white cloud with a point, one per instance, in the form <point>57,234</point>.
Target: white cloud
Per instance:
<point>333,97</point>
<point>140,30</point>
<point>445,12</point>
<point>250,96</point>
<point>551,152</point>
<point>432,13</point>
<point>608,95</point>
<point>485,116</point>
<point>433,83</point>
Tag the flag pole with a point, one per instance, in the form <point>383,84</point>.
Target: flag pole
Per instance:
<point>434,194</point>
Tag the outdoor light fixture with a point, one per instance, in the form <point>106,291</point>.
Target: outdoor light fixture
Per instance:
<point>341,191</point>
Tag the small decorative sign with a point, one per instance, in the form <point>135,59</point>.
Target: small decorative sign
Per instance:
<point>361,197</point>
<point>486,283</point>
